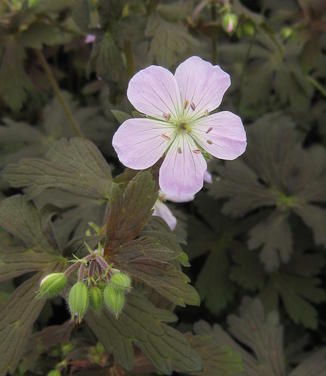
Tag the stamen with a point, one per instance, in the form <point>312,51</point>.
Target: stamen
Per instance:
<point>179,150</point>
<point>196,151</point>
<point>209,142</point>
<point>192,105</point>
<point>166,137</point>
<point>185,104</point>
<point>209,129</point>
<point>167,116</point>
<point>206,113</point>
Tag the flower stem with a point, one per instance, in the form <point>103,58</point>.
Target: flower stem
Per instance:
<point>317,85</point>
<point>129,58</point>
<point>214,35</point>
<point>243,69</point>
<point>58,94</point>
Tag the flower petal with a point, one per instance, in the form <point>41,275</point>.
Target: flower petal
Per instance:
<point>202,85</point>
<point>221,134</point>
<point>208,178</point>
<point>140,143</point>
<point>162,210</point>
<point>182,171</point>
<point>154,91</point>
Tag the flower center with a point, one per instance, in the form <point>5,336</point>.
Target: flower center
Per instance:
<point>183,126</point>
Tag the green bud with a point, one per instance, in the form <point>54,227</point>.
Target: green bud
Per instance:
<point>52,284</point>
<point>184,259</point>
<point>54,372</point>
<point>66,348</point>
<point>121,281</point>
<point>286,32</point>
<point>78,300</point>
<point>249,28</point>
<point>114,299</point>
<point>96,298</point>
<point>229,22</point>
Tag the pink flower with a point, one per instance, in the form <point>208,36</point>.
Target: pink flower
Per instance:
<point>161,210</point>
<point>208,178</point>
<point>178,126</point>
<point>90,38</point>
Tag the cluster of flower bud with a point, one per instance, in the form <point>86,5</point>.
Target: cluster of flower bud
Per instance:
<point>98,284</point>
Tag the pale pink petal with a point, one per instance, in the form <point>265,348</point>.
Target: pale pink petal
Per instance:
<point>221,134</point>
<point>161,210</point>
<point>154,92</point>
<point>208,178</point>
<point>182,171</point>
<point>140,143</point>
<point>90,38</point>
<point>178,199</point>
<point>202,85</point>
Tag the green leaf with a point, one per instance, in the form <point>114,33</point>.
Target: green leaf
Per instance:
<point>248,271</point>
<point>130,209</point>
<point>143,325</point>
<point>312,365</point>
<point>155,265</point>
<point>217,360</point>
<point>263,335</point>
<point>14,82</point>
<point>275,237</point>
<point>20,218</point>
<point>106,59</point>
<point>14,263</point>
<point>75,166</point>
<point>81,13</point>
<point>120,115</point>
<point>171,41</point>
<point>43,340</point>
<point>276,172</point>
<point>17,317</point>
<point>213,283</point>
<point>296,293</point>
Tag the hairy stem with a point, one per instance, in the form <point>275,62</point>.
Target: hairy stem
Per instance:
<point>129,58</point>
<point>58,94</point>
<point>243,70</point>
<point>317,85</point>
<point>214,35</point>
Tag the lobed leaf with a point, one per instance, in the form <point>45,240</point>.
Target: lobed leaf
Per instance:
<point>141,324</point>
<point>75,166</point>
<point>17,317</point>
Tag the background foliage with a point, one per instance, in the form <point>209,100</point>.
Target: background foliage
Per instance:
<point>255,237</point>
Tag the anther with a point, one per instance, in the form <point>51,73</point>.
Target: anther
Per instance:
<point>196,151</point>
<point>209,129</point>
<point>167,116</point>
<point>206,113</point>
<point>192,105</point>
<point>185,104</point>
<point>166,137</point>
<point>179,150</point>
<point>209,142</point>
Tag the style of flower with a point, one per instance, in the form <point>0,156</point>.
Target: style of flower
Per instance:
<point>178,125</point>
<point>161,210</point>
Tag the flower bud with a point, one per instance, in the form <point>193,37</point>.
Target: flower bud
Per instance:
<point>78,300</point>
<point>121,281</point>
<point>248,28</point>
<point>52,284</point>
<point>114,299</point>
<point>96,298</point>
<point>54,372</point>
<point>286,32</point>
<point>229,22</point>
